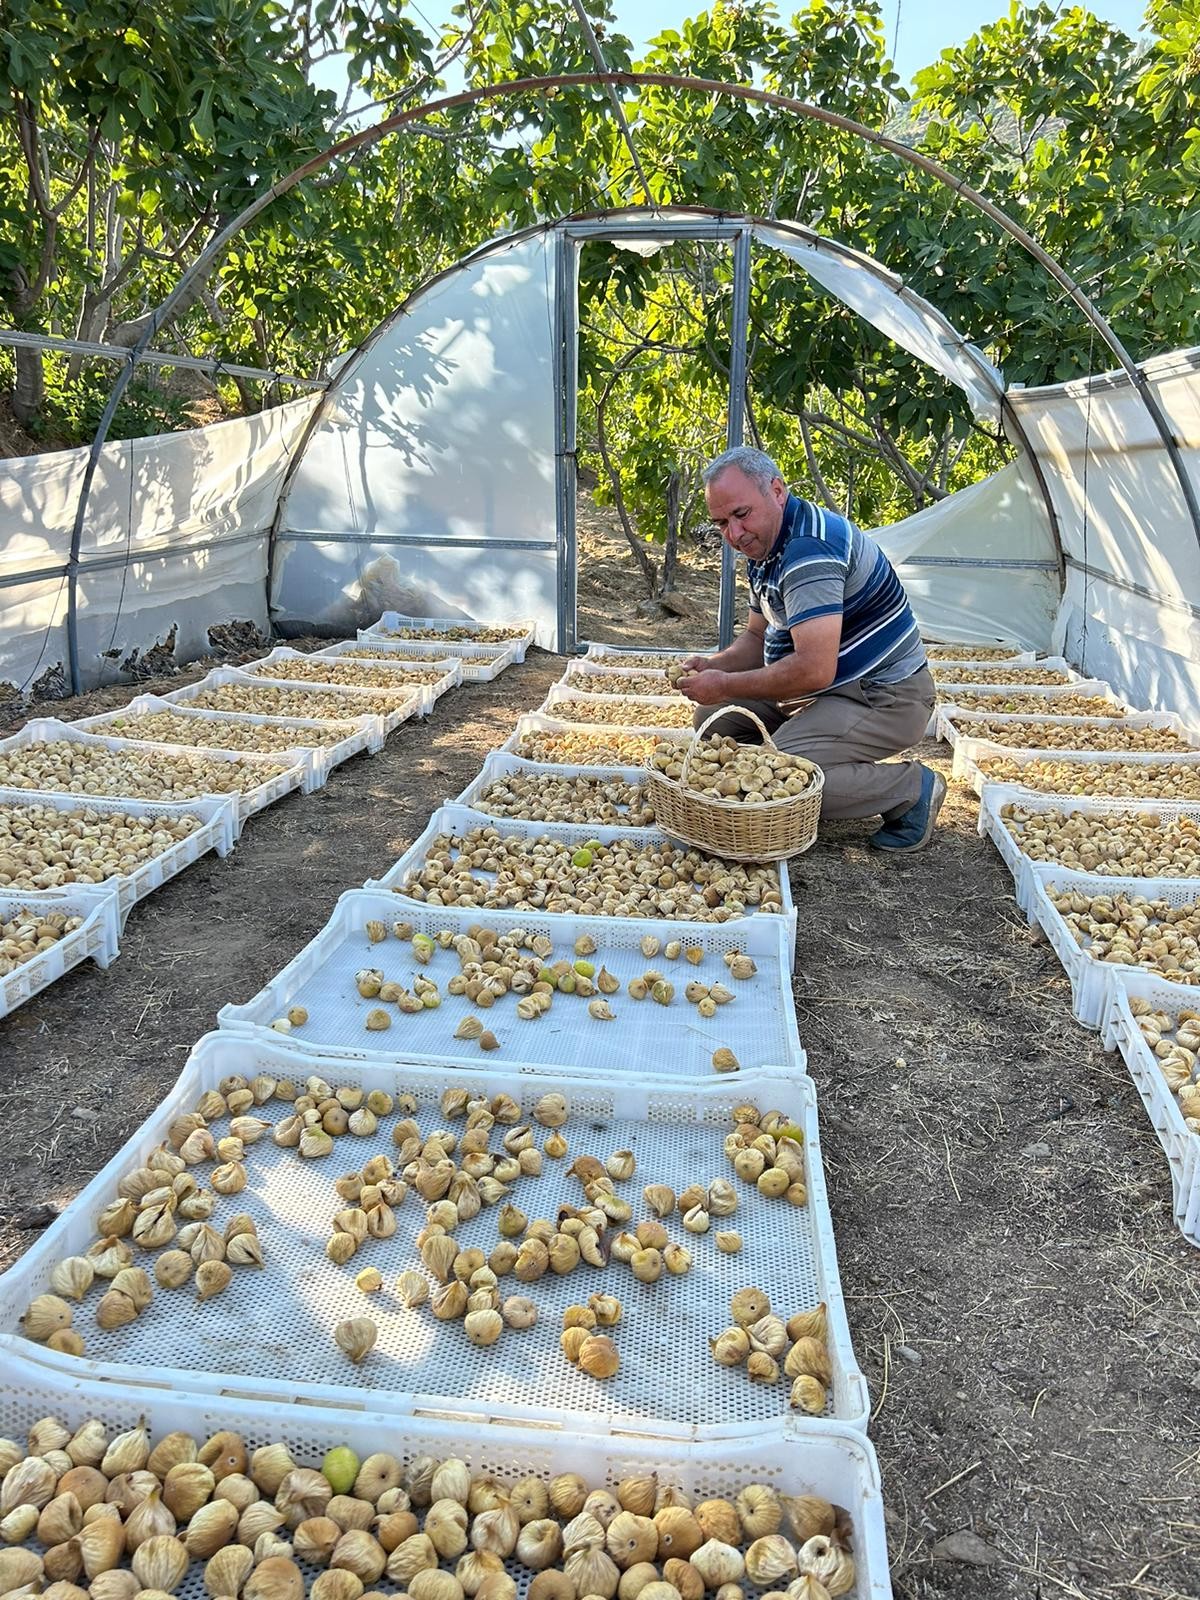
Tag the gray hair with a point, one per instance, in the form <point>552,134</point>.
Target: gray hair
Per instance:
<point>756,465</point>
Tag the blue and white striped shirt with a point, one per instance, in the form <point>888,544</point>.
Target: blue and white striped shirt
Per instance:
<point>822,565</point>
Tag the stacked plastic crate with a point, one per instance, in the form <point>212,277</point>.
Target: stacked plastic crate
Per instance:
<point>260,1359</point>
<point>1096,816</point>
<point>344,699</point>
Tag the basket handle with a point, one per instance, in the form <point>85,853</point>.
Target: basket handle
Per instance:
<point>721,711</point>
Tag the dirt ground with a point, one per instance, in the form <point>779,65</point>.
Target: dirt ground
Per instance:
<point>1022,1305</point>
<point>612,598</point>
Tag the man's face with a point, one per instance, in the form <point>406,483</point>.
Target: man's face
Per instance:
<point>749,517</point>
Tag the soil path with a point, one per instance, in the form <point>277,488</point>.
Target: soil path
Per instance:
<point>1024,1310</point>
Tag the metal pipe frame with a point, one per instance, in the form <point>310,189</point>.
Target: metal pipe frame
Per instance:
<point>365,138</point>
<point>152,358</point>
<point>436,542</point>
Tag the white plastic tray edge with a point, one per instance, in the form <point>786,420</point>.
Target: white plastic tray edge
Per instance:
<point>1180,1146</point>
<point>818,1457</point>
<point>217,831</point>
<point>297,763</point>
<point>97,938</point>
<point>71,1231</point>
<point>453,818</point>
<point>322,757</point>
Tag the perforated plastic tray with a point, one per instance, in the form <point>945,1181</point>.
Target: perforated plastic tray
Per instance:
<point>217,831</point>
<point>273,1326</point>
<point>460,819</point>
<point>1022,866</point>
<point>323,758</point>
<point>949,706</point>
<point>955,724</point>
<point>502,765</point>
<point>96,939</point>
<point>391,620</point>
<point>610,654</point>
<point>427,693</point>
<point>1092,982</point>
<point>968,753</point>
<point>817,1457</point>
<point>644,1040</point>
<point>541,722</point>
<point>1046,664</point>
<point>650,705</point>
<point>297,764</point>
<point>1180,1145</point>
<point>480,662</point>
<point>381,725</point>
<point>1019,658</point>
<point>586,668</point>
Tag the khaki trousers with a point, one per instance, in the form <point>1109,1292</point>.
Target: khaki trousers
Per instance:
<point>847,731</point>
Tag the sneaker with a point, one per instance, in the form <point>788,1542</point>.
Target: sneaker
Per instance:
<point>913,829</point>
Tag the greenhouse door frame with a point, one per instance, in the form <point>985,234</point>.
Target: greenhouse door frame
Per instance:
<point>570,238</point>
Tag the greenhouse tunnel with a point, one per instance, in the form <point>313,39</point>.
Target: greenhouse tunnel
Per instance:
<point>435,475</point>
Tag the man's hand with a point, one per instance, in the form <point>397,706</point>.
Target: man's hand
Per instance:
<point>708,687</point>
<point>693,664</point>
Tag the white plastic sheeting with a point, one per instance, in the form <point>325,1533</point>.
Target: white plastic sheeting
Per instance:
<point>433,456</point>
<point>175,537</point>
<point>1131,610</point>
<point>881,299</point>
<point>981,565</point>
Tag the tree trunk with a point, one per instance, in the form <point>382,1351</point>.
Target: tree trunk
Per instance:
<point>614,478</point>
<point>671,551</point>
<point>29,391</point>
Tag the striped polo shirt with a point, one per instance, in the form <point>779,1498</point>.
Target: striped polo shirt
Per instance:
<point>822,565</point>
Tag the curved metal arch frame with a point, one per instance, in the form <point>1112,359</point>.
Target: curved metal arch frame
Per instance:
<point>367,137</point>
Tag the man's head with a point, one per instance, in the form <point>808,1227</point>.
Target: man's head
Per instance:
<point>746,495</point>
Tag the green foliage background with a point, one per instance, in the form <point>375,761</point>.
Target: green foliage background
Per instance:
<point>129,135</point>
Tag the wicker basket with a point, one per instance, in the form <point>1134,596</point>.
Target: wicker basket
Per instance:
<point>769,830</point>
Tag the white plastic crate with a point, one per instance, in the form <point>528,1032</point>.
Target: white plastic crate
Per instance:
<point>480,662</point>
<point>297,764</point>
<point>647,705</point>
<point>1022,866</point>
<point>1095,688</point>
<point>381,725</point>
<point>459,819</point>
<point>541,722</point>
<point>610,655</point>
<point>322,757</point>
<point>500,764</point>
<point>271,1329</point>
<point>1045,664</point>
<point>955,724</point>
<point>965,658</point>
<point>427,693</point>
<point>967,645</point>
<point>217,831</point>
<point>816,1457</point>
<point>1180,1145</point>
<point>1092,982</point>
<point>646,1040</point>
<point>392,620</point>
<point>96,939</point>
<point>968,753</point>
<point>583,669</point>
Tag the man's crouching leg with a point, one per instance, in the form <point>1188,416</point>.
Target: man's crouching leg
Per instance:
<point>730,725</point>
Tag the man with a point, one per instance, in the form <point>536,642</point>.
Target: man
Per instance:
<point>831,659</point>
